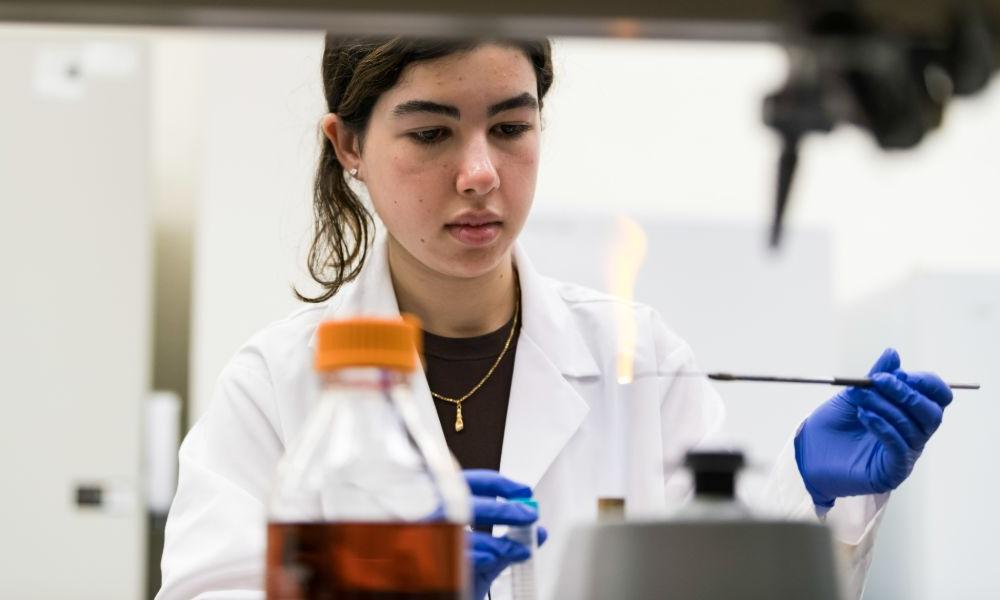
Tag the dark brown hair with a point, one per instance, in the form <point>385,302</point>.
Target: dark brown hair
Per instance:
<point>356,72</point>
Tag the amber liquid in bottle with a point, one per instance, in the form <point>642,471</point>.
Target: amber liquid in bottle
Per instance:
<point>365,561</point>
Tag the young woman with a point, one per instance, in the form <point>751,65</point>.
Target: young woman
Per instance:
<point>444,138</point>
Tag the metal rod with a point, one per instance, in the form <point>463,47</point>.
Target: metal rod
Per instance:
<point>840,381</point>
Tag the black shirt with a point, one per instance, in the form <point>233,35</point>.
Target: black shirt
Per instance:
<point>455,366</point>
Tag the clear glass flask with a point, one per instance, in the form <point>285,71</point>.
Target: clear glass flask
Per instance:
<point>366,505</point>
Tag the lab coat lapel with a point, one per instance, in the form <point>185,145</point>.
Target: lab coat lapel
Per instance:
<point>372,294</point>
<point>545,410</point>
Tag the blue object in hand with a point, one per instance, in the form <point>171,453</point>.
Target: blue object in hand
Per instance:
<point>491,555</point>
<point>866,440</point>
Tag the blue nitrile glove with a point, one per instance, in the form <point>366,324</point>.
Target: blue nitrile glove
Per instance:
<point>866,440</point>
<point>491,555</point>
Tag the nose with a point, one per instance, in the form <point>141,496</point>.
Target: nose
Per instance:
<point>477,175</point>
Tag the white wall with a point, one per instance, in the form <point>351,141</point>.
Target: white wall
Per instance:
<point>676,128</point>
<point>650,125</point>
<point>262,103</point>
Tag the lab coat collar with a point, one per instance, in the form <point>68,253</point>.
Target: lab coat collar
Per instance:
<point>544,410</point>
<point>545,318</point>
<point>547,321</point>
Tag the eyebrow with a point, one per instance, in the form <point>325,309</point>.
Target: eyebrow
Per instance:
<point>426,106</point>
<point>525,100</point>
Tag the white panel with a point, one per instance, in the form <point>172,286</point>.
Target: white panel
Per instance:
<point>75,258</point>
<point>939,536</point>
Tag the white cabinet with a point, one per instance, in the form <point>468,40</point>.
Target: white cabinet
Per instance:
<point>75,266</point>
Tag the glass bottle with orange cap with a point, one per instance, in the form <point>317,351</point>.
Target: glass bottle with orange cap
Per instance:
<point>366,505</point>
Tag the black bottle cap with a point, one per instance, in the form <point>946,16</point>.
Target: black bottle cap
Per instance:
<point>714,472</point>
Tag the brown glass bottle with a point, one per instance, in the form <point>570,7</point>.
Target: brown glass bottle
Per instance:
<point>366,505</point>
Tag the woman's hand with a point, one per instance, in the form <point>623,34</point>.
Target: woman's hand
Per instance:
<point>866,440</point>
<point>491,555</point>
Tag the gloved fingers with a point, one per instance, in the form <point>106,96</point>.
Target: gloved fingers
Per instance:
<point>887,363</point>
<point>487,511</point>
<point>926,413</point>
<point>490,556</point>
<point>896,451</point>
<point>543,534</point>
<point>484,482</point>
<point>483,560</point>
<point>928,384</point>
<point>875,403</point>
<point>487,562</point>
<point>504,549</point>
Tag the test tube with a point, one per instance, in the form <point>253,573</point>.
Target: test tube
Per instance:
<point>522,574</point>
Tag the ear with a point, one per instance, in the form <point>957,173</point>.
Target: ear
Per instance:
<point>345,142</point>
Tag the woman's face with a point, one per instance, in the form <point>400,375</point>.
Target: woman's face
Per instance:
<point>450,158</point>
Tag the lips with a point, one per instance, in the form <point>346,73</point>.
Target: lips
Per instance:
<point>474,219</point>
<point>475,229</point>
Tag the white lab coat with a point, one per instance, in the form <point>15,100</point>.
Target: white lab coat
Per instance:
<point>570,428</point>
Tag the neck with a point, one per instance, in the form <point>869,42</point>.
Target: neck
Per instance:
<point>452,306</point>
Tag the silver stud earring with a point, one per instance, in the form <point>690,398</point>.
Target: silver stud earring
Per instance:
<point>354,172</point>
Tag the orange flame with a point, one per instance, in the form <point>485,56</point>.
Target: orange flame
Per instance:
<point>627,253</point>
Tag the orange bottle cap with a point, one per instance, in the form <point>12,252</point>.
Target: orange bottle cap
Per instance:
<point>369,342</point>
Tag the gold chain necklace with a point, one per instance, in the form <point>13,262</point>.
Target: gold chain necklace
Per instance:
<point>459,423</point>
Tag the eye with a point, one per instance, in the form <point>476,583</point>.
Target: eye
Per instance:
<point>429,136</point>
<point>511,130</point>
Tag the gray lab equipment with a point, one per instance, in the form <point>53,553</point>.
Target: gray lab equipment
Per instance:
<point>712,549</point>
<point>699,560</point>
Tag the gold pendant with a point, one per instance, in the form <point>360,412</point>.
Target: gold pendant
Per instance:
<point>459,423</point>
